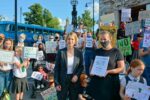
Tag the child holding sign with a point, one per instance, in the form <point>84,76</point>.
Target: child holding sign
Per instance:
<point>20,72</point>
<point>134,74</point>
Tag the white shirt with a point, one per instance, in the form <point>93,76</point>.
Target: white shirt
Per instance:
<point>17,72</point>
<point>6,67</point>
<point>132,78</point>
<point>70,62</point>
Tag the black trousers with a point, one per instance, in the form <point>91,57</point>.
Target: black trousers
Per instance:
<point>68,90</point>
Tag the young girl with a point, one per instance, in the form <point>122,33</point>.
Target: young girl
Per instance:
<point>133,74</point>
<point>41,83</point>
<point>20,82</point>
<point>83,88</point>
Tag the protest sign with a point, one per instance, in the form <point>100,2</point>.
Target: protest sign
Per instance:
<point>108,18</point>
<point>147,22</point>
<point>125,46</point>
<point>37,75</point>
<point>100,66</point>
<point>146,40</point>
<point>30,52</point>
<point>49,94</point>
<point>125,15</point>
<point>40,55</point>
<point>69,29</point>
<point>144,15</point>
<point>132,28</point>
<point>6,56</point>
<point>89,42</point>
<point>137,90</point>
<point>51,46</point>
<point>62,44</point>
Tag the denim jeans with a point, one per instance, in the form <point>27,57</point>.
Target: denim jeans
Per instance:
<point>4,81</point>
<point>88,60</point>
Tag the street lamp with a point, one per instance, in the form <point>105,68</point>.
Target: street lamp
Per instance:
<point>93,13</point>
<point>16,28</point>
<point>74,13</point>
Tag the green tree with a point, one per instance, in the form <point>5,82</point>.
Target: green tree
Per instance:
<point>40,16</point>
<point>35,15</point>
<point>87,20</point>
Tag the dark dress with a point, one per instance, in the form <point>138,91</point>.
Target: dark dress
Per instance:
<point>106,88</point>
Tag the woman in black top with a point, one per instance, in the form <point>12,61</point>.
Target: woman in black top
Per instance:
<point>107,88</point>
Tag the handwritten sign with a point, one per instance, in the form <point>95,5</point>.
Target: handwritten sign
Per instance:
<point>108,18</point>
<point>30,52</point>
<point>51,46</point>
<point>137,90</point>
<point>37,75</point>
<point>100,66</point>
<point>6,56</point>
<point>40,55</point>
<point>146,40</point>
<point>144,15</point>
<point>89,42</point>
<point>49,94</point>
<point>125,46</point>
<point>125,15</point>
<point>62,44</point>
<point>132,28</point>
<point>69,29</point>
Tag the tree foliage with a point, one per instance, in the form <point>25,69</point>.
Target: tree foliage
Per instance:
<point>40,16</point>
<point>86,19</point>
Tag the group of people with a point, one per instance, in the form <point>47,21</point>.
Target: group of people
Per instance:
<point>71,67</point>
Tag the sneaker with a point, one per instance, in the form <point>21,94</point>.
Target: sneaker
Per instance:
<point>38,87</point>
<point>42,86</point>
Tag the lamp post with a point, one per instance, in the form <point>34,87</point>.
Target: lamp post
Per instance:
<point>16,28</point>
<point>74,13</point>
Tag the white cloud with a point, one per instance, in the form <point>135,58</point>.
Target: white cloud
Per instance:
<point>96,8</point>
<point>62,22</point>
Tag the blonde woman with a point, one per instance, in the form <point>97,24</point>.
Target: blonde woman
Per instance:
<point>68,67</point>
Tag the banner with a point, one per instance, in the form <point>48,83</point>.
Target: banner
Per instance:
<point>125,15</point>
<point>125,46</point>
<point>30,52</point>
<point>51,46</point>
<point>49,94</point>
<point>132,28</point>
<point>6,56</point>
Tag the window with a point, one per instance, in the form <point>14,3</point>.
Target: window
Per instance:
<point>21,29</point>
<point>30,30</point>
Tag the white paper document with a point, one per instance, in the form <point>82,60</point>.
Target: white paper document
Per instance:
<point>137,90</point>
<point>100,66</point>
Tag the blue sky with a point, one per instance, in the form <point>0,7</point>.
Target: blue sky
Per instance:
<point>59,8</point>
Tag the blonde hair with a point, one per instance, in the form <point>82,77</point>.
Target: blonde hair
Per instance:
<point>18,48</point>
<point>74,35</point>
<point>135,63</point>
<point>23,35</point>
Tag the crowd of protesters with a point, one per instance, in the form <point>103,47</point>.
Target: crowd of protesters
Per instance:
<point>69,69</point>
